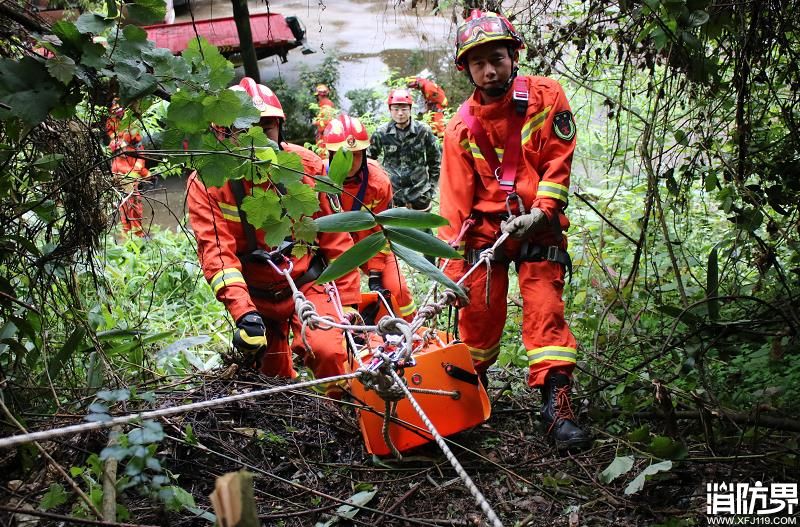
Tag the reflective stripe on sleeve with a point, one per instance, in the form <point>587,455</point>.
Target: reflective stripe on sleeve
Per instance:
<point>548,189</point>
<point>533,124</point>
<point>229,212</point>
<point>407,310</point>
<point>559,353</point>
<point>225,278</point>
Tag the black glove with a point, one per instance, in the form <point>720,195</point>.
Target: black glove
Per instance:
<point>375,283</point>
<point>250,337</point>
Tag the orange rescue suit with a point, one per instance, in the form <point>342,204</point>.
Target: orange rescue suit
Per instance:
<point>435,101</point>
<point>130,169</point>
<point>468,187</point>
<point>221,240</point>
<point>378,198</point>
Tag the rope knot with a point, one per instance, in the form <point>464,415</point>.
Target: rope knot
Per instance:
<point>391,326</point>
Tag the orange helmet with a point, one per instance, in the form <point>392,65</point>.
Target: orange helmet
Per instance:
<point>400,96</point>
<point>263,98</point>
<point>482,27</point>
<point>345,132</point>
<point>321,89</point>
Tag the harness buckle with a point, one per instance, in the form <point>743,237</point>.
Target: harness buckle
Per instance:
<point>520,95</point>
<point>552,253</point>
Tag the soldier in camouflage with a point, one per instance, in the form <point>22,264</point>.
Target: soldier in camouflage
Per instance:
<point>408,151</point>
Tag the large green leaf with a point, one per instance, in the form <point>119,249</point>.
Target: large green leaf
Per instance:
<point>216,169</point>
<point>420,242</point>
<point>92,23</point>
<point>351,221</point>
<point>357,255</point>
<point>305,230</point>
<point>56,364</point>
<point>340,166</point>
<point>261,206</point>
<point>222,109</point>
<point>300,200</point>
<point>276,230</point>
<point>288,168</point>
<point>638,482</point>
<point>62,68</point>
<point>27,89</point>
<point>621,465</point>
<point>403,217</point>
<point>147,11</point>
<point>186,112</point>
<point>418,262</point>
<point>209,63</point>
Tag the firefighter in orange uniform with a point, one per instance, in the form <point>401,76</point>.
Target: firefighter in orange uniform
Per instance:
<point>367,185</point>
<point>435,101</point>
<point>128,168</point>
<point>326,112</point>
<point>232,255</point>
<point>509,150</point>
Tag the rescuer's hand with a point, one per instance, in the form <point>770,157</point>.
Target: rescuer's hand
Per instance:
<point>526,225</point>
<point>250,338</point>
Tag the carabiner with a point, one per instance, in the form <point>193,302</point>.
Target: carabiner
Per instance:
<point>520,205</point>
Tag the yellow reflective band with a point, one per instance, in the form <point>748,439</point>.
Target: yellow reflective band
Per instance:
<point>225,278</point>
<point>559,353</point>
<point>533,124</point>
<point>229,212</point>
<point>549,189</point>
<point>407,310</point>
<point>481,355</point>
<point>386,251</point>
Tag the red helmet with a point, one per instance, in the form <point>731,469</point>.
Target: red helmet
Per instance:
<point>480,28</point>
<point>345,132</point>
<point>263,98</point>
<point>321,89</point>
<point>400,96</point>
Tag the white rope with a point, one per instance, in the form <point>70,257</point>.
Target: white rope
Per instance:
<point>19,439</point>
<point>473,489</point>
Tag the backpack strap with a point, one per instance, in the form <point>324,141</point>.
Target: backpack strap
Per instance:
<point>362,191</point>
<point>237,187</point>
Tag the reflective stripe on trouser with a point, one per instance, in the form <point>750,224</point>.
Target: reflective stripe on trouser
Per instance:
<point>544,331</point>
<point>395,282</point>
<point>328,350</point>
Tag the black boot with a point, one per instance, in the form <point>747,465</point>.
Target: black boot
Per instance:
<point>557,416</point>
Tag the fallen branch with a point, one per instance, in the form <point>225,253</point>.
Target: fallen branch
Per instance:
<point>69,519</point>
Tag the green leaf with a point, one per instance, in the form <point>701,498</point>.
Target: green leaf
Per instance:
<point>305,230</point>
<point>54,497</point>
<point>300,200</point>
<point>620,465</point>
<point>326,185</point>
<point>418,262</point>
<point>340,166</point>
<point>348,512</point>
<point>111,6</point>
<point>350,221</point>
<point>665,447</point>
<point>420,241</point>
<point>262,205</point>
<point>681,138</point>
<point>62,68</point>
<point>403,217</point>
<point>147,11</point>
<point>114,396</point>
<point>222,109</point>
<point>216,169</point>
<point>150,432</point>
<point>187,113</point>
<point>288,168</point>
<point>92,23</point>
<point>276,230</point>
<point>68,33</point>
<point>93,55</point>
<point>248,114</point>
<point>28,89</point>
<point>352,258</point>
<point>69,348</point>
<point>134,34</point>
<point>712,285</point>
<point>117,452</point>
<point>638,482</point>
<point>209,63</point>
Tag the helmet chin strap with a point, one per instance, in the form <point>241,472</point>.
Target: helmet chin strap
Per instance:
<point>496,92</point>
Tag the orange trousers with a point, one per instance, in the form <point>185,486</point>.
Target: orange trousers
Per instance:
<point>328,353</point>
<point>545,334</point>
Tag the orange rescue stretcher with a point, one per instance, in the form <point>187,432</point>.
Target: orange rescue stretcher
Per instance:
<point>444,368</point>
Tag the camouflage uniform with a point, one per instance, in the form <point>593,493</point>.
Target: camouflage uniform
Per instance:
<point>411,158</point>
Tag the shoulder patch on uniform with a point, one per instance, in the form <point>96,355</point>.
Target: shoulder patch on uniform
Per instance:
<point>564,125</point>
